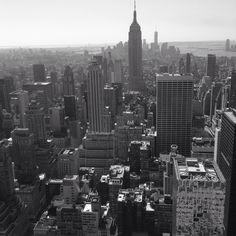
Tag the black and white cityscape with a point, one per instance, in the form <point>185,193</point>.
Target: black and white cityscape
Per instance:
<point>133,138</point>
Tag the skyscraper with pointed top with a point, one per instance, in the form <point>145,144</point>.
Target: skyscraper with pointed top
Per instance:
<point>136,82</point>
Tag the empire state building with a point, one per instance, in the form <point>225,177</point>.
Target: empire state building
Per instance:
<point>136,82</point>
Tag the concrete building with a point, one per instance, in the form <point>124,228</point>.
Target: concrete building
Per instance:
<point>68,162</point>
<point>68,82</point>
<point>57,115</point>
<point>95,85</point>
<point>23,152</point>
<point>19,101</point>
<point>34,117</point>
<point>226,162</point>
<point>174,112</point>
<point>198,198</point>
<point>233,90</point>
<point>211,66</point>
<point>39,73</point>
<point>71,188</point>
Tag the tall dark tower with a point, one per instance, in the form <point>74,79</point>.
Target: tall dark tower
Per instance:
<point>211,65</point>
<point>135,56</point>
<point>233,90</point>
<point>68,82</point>
<point>227,164</point>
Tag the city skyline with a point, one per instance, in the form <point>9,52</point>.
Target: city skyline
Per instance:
<point>49,23</point>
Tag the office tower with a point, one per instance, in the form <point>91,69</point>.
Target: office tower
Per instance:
<point>53,79</point>
<point>19,101</point>
<point>6,172</point>
<point>6,87</point>
<point>156,38</point>
<point>188,63</point>
<point>130,213</point>
<point>34,117</point>
<point>13,213</point>
<point>90,220</point>
<point>232,101</point>
<point>110,69</point>
<point>24,154</point>
<point>95,85</point>
<point>198,198</point>
<point>216,97</point>
<point>227,164</point>
<point>211,66</point>
<point>118,71</point>
<point>97,150</point>
<point>174,112</point>
<point>71,188</point>
<point>68,82</point>
<point>135,56</point>
<point>69,219</point>
<point>39,73</point>
<point>227,45</point>
<point>68,162</point>
<point>181,67</point>
<point>57,115</point>
<point>7,123</point>
<point>70,107</point>
<point>77,132</point>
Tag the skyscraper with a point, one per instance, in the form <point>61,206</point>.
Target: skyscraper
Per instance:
<point>35,122</point>
<point>233,90</point>
<point>135,56</point>
<point>188,63</point>
<point>198,198</point>
<point>68,82</point>
<point>6,172</point>
<point>24,154</point>
<point>156,38</point>
<point>39,73</point>
<point>174,112</point>
<point>95,85</point>
<point>227,164</point>
<point>70,107</point>
<point>211,66</point>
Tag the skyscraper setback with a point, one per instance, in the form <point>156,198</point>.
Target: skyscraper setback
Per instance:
<point>136,82</point>
<point>174,112</point>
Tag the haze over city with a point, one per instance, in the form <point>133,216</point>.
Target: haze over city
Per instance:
<point>78,22</point>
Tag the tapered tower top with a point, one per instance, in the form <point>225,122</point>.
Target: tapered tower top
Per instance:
<point>135,24</point>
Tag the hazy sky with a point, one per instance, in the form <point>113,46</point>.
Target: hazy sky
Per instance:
<point>47,22</point>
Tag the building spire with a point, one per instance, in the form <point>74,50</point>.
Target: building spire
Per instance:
<point>135,11</point>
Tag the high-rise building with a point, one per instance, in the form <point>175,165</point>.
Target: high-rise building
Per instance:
<point>156,38</point>
<point>227,163</point>
<point>57,116</point>
<point>39,73</point>
<point>135,56</point>
<point>34,117</point>
<point>118,72</point>
<point>6,172</point>
<point>19,101</point>
<point>68,82</point>
<point>211,66</point>
<point>174,112</point>
<point>233,90</point>
<point>68,162</point>
<point>70,107</point>
<point>188,63</point>
<point>23,154</point>
<point>227,45</point>
<point>198,198</point>
<point>6,87</point>
<point>95,86</point>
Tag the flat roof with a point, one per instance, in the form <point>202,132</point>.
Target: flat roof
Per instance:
<point>193,169</point>
<point>231,116</point>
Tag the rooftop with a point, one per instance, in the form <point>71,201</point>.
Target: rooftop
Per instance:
<point>192,169</point>
<point>135,195</point>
